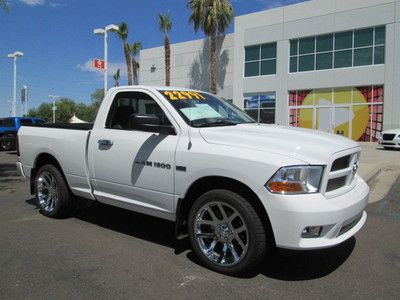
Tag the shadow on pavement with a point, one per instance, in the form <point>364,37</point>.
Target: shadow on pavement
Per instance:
<point>137,225</point>
<point>306,265</point>
<point>299,265</point>
<point>12,153</point>
<point>8,177</point>
<point>390,205</point>
<point>287,265</point>
<point>387,149</point>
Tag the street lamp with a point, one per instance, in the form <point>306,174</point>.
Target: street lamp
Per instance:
<point>54,108</point>
<point>14,57</point>
<point>104,31</point>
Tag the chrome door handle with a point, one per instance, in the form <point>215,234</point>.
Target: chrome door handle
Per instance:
<point>105,143</point>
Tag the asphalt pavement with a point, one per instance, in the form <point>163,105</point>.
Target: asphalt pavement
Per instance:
<point>104,252</point>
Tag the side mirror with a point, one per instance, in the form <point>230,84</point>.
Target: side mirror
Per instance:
<point>150,123</point>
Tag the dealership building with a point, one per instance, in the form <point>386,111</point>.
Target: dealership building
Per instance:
<point>330,65</point>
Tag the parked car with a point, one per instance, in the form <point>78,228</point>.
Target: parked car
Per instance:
<point>390,139</point>
<point>235,187</point>
<point>9,128</point>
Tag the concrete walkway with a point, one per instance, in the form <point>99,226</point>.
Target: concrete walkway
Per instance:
<point>379,168</point>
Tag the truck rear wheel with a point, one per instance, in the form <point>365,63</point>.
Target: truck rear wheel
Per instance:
<point>226,233</point>
<point>52,194</point>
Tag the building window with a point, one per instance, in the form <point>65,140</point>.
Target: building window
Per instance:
<point>260,60</point>
<point>355,112</point>
<point>354,48</point>
<point>261,107</point>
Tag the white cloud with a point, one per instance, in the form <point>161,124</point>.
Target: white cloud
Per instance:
<point>112,68</point>
<point>34,2</point>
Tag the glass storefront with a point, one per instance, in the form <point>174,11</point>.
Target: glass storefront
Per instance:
<point>354,112</point>
<point>353,48</point>
<point>261,107</point>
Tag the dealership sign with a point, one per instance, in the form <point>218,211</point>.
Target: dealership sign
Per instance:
<point>99,64</point>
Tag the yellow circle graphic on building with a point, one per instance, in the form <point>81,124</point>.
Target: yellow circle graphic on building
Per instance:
<point>336,112</point>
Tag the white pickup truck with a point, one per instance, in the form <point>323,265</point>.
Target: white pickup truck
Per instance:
<point>235,187</point>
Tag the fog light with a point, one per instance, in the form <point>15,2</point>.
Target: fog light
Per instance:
<point>311,232</point>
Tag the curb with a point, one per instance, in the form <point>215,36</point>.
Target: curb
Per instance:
<point>372,175</point>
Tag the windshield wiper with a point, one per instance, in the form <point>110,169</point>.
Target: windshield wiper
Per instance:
<point>220,122</point>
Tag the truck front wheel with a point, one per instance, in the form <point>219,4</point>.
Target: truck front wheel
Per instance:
<point>52,194</point>
<point>226,233</point>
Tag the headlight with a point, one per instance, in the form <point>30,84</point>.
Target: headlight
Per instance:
<point>296,180</point>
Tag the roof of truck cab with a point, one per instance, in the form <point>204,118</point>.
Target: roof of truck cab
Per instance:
<point>154,87</point>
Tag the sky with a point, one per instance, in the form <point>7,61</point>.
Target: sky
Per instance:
<point>56,37</point>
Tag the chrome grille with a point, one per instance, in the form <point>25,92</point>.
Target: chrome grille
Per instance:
<point>342,172</point>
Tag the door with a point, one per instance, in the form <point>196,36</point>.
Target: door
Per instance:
<point>132,168</point>
<point>343,116</point>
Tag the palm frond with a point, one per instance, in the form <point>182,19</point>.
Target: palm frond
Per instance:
<point>123,31</point>
<point>165,23</point>
<point>135,47</point>
<point>4,4</point>
<point>212,16</point>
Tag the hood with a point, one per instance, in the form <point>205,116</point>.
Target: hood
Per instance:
<point>391,131</point>
<point>309,146</point>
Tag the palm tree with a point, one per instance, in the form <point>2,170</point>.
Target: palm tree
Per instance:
<point>4,4</point>
<point>116,77</point>
<point>165,26</point>
<point>213,17</point>
<point>123,35</point>
<point>134,51</point>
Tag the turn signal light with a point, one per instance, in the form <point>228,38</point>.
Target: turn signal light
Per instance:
<point>285,187</point>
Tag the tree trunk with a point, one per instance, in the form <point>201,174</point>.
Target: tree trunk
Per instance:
<point>213,87</point>
<point>134,71</point>
<point>128,63</point>
<point>167,49</point>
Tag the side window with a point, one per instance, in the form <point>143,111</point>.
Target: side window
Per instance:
<point>25,122</point>
<point>127,103</point>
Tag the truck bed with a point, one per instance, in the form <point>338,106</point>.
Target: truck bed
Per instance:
<point>66,143</point>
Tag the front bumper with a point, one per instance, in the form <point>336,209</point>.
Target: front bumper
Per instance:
<point>395,143</point>
<point>340,217</point>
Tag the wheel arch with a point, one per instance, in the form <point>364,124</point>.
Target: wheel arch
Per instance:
<point>205,184</point>
<point>42,159</point>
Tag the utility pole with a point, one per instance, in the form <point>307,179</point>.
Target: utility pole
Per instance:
<point>103,32</point>
<point>54,108</point>
<point>14,56</point>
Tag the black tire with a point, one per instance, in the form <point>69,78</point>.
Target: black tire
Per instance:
<point>257,242</point>
<point>64,203</point>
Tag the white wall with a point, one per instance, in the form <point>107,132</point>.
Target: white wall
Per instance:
<point>190,65</point>
<point>190,61</point>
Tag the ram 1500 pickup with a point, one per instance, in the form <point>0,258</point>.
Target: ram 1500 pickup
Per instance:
<point>235,187</point>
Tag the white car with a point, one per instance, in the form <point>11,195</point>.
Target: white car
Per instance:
<point>390,139</point>
<point>235,187</point>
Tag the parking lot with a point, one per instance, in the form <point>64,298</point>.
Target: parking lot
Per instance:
<point>104,252</point>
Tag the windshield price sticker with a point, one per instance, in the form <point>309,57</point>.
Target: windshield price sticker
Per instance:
<point>183,95</point>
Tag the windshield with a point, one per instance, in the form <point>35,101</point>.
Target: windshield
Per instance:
<point>8,122</point>
<point>200,109</point>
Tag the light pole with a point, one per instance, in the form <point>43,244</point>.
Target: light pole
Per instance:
<point>104,31</point>
<point>54,108</point>
<point>14,57</point>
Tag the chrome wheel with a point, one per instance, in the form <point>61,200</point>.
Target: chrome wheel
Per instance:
<point>221,233</point>
<point>47,191</point>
